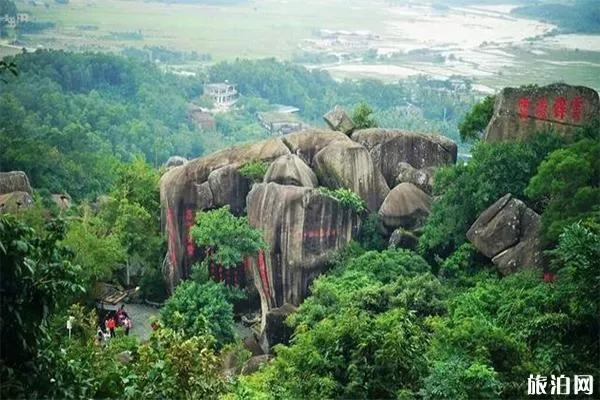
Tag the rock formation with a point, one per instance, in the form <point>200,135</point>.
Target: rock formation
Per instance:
<point>14,201</point>
<point>62,200</point>
<point>508,233</point>
<point>349,165</point>
<point>338,120</point>
<point>406,206</point>
<point>402,239</point>
<point>291,170</point>
<point>302,227</point>
<point>519,112</point>
<point>391,147</point>
<point>14,181</point>
<point>422,178</point>
<point>175,161</point>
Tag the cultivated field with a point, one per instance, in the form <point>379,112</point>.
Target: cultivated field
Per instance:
<point>484,43</point>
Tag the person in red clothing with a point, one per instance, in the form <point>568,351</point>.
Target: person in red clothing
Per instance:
<point>111,325</point>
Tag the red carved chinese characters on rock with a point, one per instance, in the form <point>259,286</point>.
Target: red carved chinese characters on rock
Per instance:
<point>576,104</point>
<point>541,108</point>
<point>523,107</point>
<point>172,237</point>
<point>189,222</point>
<point>560,108</point>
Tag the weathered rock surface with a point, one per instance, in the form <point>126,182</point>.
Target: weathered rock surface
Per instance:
<point>229,187</point>
<point>275,330</point>
<point>519,112</point>
<point>303,228</point>
<point>291,170</point>
<point>422,178</point>
<point>15,201</point>
<point>508,233</point>
<point>62,200</point>
<point>14,181</point>
<point>390,147</point>
<point>338,120</point>
<point>402,239</point>
<point>307,144</point>
<point>254,363</point>
<point>406,206</point>
<point>185,189</point>
<point>175,161</point>
<point>349,165</point>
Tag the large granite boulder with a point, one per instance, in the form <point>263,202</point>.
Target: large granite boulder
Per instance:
<point>519,112</point>
<point>14,202</point>
<point>228,187</point>
<point>406,206</point>
<point>175,161</point>
<point>402,239</point>
<point>62,200</point>
<point>391,147</point>
<point>186,189</point>
<point>303,229</point>
<point>275,330</point>
<point>422,178</point>
<point>508,233</point>
<point>291,170</point>
<point>346,164</point>
<point>14,181</point>
<point>307,144</point>
<point>338,120</point>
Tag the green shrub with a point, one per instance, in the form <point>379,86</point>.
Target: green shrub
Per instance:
<point>200,309</point>
<point>254,170</point>
<point>347,197</point>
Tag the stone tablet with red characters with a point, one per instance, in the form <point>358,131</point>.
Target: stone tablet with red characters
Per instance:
<point>520,112</point>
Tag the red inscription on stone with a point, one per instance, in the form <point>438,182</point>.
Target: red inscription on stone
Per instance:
<point>541,108</point>
<point>576,104</point>
<point>262,268</point>
<point>189,222</point>
<point>172,237</point>
<point>560,108</point>
<point>523,107</point>
<point>319,233</point>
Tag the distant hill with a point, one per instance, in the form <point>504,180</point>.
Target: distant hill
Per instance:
<point>583,16</point>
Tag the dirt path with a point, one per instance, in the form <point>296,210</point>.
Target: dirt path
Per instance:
<point>140,317</point>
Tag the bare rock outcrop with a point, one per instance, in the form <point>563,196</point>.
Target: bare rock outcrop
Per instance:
<point>175,161</point>
<point>508,233</point>
<point>338,120</point>
<point>62,200</point>
<point>228,187</point>
<point>303,229</point>
<point>291,170</point>
<point>15,201</point>
<point>346,164</point>
<point>14,181</point>
<point>406,206</point>
<point>402,239</point>
<point>186,189</point>
<point>519,112</point>
<point>275,330</point>
<point>390,147</point>
<point>422,178</point>
<point>307,144</point>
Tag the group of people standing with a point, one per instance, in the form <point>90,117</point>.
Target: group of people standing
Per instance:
<point>120,318</point>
